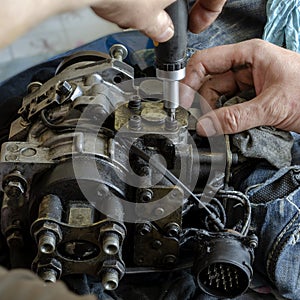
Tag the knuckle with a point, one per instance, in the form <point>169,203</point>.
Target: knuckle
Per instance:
<point>232,120</point>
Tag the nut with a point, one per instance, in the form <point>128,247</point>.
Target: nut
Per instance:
<point>144,229</point>
<point>113,264</point>
<point>52,265</point>
<point>172,229</point>
<point>47,226</point>
<point>113,228</point>
<point>14,189</point>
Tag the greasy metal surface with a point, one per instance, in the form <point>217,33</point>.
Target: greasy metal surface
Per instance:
<point>61,221</point>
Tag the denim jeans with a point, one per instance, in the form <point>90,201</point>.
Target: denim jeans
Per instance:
<point>275,199</point>
<point>240,20</point>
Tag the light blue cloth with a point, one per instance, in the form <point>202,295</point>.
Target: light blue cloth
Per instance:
<point>283,23</point>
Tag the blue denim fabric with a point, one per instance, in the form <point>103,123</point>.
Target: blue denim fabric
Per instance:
<point>240,20</point>
<point>276,222</point>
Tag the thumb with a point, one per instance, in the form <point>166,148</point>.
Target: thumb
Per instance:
<point>231,119</point>
<point>161,28</point>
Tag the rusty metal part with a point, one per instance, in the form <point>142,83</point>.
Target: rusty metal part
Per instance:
<point>92,152</point>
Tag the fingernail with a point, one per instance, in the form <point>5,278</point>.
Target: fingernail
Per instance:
<point>206,127</point>
<point>166,35</point>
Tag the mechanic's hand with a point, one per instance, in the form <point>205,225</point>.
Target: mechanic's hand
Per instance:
<point>18,16</point>
<point>226,70</point>
<point>203,13</point>
<point>147,16</point>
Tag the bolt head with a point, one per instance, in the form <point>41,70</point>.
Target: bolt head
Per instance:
<point>65,88</point>
<point>156,244</point>
<point>14,189</point>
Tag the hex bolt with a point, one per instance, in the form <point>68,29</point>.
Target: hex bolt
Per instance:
<point>171,125</point>
<point>65,88</point>
<point>49,269</point>
<point>135,122</point>
<point>172,229</point>
<point>48,275</point>
<point>146,195</point>
<point>111,243</point>
<point>144,229</point>
<point>110,279</point>
<point>135,103</point>
<point>118,51</point>
<point>14,190</point>
<point>47,242</point>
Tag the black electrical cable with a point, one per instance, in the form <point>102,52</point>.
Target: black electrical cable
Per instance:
<point>68,127</point>
<point>174,180</point>
<point>243,199</point>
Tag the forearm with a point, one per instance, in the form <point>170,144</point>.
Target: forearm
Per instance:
<point>18,16</point>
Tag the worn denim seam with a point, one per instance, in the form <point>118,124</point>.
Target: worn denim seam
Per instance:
<point>272,258</point>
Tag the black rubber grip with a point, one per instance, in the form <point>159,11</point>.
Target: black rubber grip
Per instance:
<point>171,55</point>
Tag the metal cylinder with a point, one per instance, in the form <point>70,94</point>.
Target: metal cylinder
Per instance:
<point>50,207</point>
<point>111,243</point>
<point>110,279</point>
<point>47,242</point>
<point>48,275</point>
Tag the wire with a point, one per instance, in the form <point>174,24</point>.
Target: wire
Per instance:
<point>174,180</point>
<point>243,199</point>
<point>69,127</point>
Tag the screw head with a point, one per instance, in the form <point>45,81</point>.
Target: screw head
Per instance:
<point>118,51</point>
<point>156,244</point>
